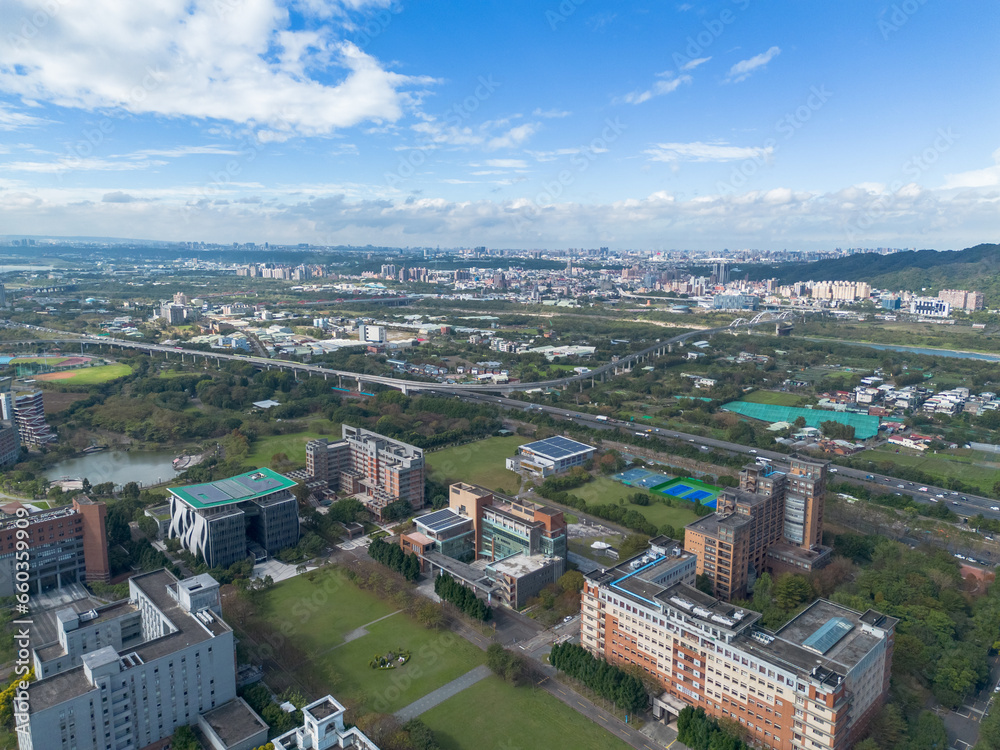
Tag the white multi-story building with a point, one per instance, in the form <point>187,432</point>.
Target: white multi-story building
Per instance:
<point>128,675</point>
<point>323,728</point>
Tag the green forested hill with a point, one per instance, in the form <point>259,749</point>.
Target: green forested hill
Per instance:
<point>973,268</point>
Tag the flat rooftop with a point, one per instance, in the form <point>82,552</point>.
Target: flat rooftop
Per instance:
<point>825,635</point>
<point>235,722</point>
<point>441,520</point>
<point>556,448</point>
<point>190,631</point>
<point>520,564</point>
<point>250,486</point>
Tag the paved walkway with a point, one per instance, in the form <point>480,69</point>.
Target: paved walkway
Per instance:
<point>443,693</point>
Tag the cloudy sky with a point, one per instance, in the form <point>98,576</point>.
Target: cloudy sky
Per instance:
<point>508,123</point>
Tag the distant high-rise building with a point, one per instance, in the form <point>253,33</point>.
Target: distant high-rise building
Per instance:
<point>721,271</point>
<point>29,417</point>
<point>963,300</point>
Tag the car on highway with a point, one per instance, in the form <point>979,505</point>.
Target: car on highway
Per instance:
<point>964,498</point>
<point>900,486</point>
<point>834,469</point>
<point>995,507</point>
<point>939,495</point>
<point>922,489</point>
<point>997,688</point>
<point>752,450</point>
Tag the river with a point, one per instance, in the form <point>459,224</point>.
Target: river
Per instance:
<point>911,349</point>
<point>145,467</point>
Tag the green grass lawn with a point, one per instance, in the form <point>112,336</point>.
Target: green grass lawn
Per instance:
<point>42,360</point>
<point>492,715</point>
<point>319,613</point>
<point>175,373</point>
<point>582,546</point>
<point>481,462</point>
<point>88,375</point>
<point>605,490</point>
<point>437,658</point>
<point>293,445</point>
<point>971,467</point>
<point>776,398</point>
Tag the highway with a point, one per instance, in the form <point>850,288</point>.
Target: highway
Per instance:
<point>961,503</point>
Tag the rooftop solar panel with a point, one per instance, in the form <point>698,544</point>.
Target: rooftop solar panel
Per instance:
<point>257,482</point>
<point>440,520</point>
<point>557,447</point>
<point>828,634</point>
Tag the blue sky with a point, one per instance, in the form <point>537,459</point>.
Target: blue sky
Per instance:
<point>579,123</point>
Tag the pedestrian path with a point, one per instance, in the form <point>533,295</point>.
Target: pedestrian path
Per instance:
<point>443,693</point>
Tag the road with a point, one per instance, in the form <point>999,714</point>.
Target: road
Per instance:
<point>963,504</point>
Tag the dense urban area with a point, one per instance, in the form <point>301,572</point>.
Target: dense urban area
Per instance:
<point>280,497</point>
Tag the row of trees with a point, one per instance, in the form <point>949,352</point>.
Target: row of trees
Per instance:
<point>452,591</point>
<point>393,557</point>
<point>608,681</point>
<point>699,731</point>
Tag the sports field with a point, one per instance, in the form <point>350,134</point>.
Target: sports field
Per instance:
<point>320,614</point>
<point>690,489</point>
<point>492,714</point>
<point>88,375</point>
<point>481,462</point>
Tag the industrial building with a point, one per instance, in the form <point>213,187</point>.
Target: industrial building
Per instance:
<point>814,683</point>
<point>550,456</point>
<point>227,520</point>
<point>379,470</point>
<point>773,522</point>
<point>64,545</point>
<point>131,673</point>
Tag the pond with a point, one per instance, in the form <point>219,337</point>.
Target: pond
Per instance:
<point>120,467</point>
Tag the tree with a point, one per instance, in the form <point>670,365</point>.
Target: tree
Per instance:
<point>705,583</point>
<point>571,580</point>
<point>184,739</point>
<point>633,545</point>
<point>148,526</point>
<point>791,590</point>
<point>929,733</point>
<point>507,665</point>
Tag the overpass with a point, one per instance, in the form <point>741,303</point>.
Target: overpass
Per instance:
<point>601,373</point>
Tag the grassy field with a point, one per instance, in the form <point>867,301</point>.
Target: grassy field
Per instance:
<point>581,546</point>
<point>605,490</point>
<point>88,375</point>
<point>321,612</point>
<point>776,398</point>
<point>56,401</point>
<point>481,462</point>
<point>293,445</point>
<point>42,360</point>
<point>971,467</point>
<point>524,718</point>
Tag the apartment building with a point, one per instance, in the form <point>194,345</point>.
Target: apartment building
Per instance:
<point>227,520</point>
<point>378,469</point>
<point>772,522</point>
<point>813,684</point>
<point>65,545</point>
<point>128,675</point>
<point>960,299</point>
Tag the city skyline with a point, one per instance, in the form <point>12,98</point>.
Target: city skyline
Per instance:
<point>565,124</point>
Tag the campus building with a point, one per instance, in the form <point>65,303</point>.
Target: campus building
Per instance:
<point>379,470</point>
<point>227,520</point>
<point>773,522</point>
<point>27,413</point>
<point>814,684</point>
<point>550,456</point>
<point>931,307</point>
<point>65,545</point>
<point>516,548</point>
<point>131,673</point>
<point>323,728</point>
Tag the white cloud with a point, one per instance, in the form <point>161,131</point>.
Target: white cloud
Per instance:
<point>10,120</point>
<point>700,151</point>
<point>659,89</point>
<point>504,163</point>
<point>178,151</point>
<point>744,68</point>
<point>551,113</point>
<point>975,178</point>
<point>692,64</point>
<point>513,137</point>
<point>205,59</point>
<point>76,164</point>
